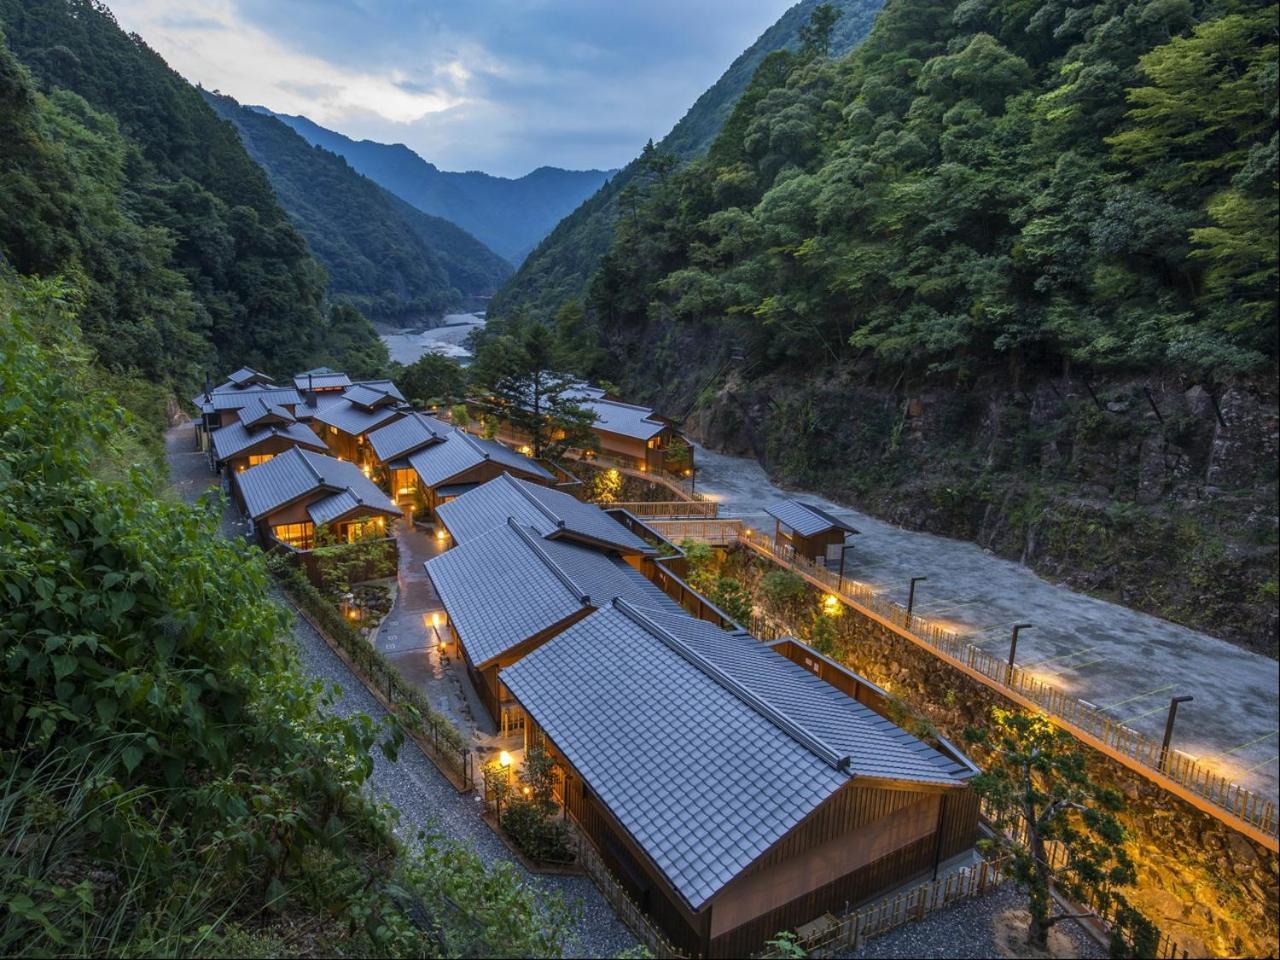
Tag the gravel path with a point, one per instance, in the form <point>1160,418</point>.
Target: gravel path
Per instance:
<point>412,784</point>
<point>1127,662</point>
<point>966,930</point>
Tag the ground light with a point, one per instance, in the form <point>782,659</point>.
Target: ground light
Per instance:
<point>831,605</point>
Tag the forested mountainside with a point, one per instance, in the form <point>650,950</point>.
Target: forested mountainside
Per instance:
<point>561,265</point>
<point>1008,272</point>
<point>118,177</point>
<point>383,255</point>
<point>509,215</point>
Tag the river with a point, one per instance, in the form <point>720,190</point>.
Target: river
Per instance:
<point>448,339</point>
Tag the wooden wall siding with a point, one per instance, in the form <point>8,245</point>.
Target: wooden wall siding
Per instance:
<point>823,865</point>
<point>899,867</point>
<point>845,682</point>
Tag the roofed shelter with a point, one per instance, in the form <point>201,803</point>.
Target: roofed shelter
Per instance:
<point>261,432</point>
<point>808,530</point>
<point>463,462</point>
<point>344,420</point>
<point>296,492</point>
<point>733,793</point>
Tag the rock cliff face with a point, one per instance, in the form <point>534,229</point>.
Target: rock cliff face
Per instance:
<point>1155,492</point>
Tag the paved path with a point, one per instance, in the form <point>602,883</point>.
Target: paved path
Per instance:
<point>1106,654</point>
<point>412,784</point>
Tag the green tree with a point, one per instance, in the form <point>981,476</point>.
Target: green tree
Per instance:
<point>815,36</point>
<point>529,391</point>
<point>1039,796</point>
<point>433,378</point>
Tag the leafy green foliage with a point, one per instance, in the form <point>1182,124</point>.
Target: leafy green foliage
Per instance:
<point>529,811</point>
<point>520,367</point>
<point>119,176</point>
<point>972,190</point>
<point>433,379</point>
<point>1039,795</point>
<point>384,256</point>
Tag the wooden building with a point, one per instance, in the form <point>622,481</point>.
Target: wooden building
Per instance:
<point>296,492</point>
<point>809,531</point>
<point>220,406</point>
<point>260,432</point>
<point>510,587</point>
<point>733,793</point>
<point>345,419</point>
<point>392,446</point>
<point>459,463</point>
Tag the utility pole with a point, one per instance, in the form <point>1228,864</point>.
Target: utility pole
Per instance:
<point>844,550</point>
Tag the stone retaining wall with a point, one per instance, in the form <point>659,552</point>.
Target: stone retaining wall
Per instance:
<point>1205,885</point>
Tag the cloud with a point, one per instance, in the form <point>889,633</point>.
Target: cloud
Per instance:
<point>499,85</point>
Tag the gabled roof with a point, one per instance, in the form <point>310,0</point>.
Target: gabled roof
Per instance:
<point>321,378</point>
<point>236,438</point>
<point>700,769</point>
<point>553,513</point>
<point>509,584</point>
<point>237,399</point>
<point>370,398</point>
<point>257,412</point>
<point>297,474</point>
<point>354,419</point>
<point>404,436</point>
<point>441,462</point>
<point>247,375</point>
<point>626,419</point>
<point>805,518</point>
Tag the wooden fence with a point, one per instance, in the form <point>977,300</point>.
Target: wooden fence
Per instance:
<point>852,930</point>
<point>1252,808</point>
<point>686,509</point>
<point>627,910</point>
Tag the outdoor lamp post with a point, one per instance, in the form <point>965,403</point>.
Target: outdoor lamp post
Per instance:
<point>911,598</point>
<point>1168,727</point>
<point>1013,648</point>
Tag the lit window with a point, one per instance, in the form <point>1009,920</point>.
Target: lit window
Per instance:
<point>300,536</point>
<point>257,458</point>
<point>364,529</point>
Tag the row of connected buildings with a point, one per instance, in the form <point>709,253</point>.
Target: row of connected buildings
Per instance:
<point>735,788</point>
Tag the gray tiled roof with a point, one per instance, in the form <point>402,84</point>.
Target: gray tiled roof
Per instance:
<point>247,375</point>
<point>441,462</point>
<point>353,419</point>
<point>412,432</point>
<point>551,512</point>
<point>363,395</point>
<point>700,770</point>
<point>805,518</point>
<point>626,419</point>
<point>235,399</point>
<point>354,497</point>
<point>876,746</point>
<point>297,473</point>
<point>257,410</point>
<point>508,584</point>
<point>236,438</point>
<point>498,592</point>
<point>321,378</point>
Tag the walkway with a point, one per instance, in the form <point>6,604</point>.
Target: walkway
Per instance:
<point>412,785</point>
<point>1127,662</point>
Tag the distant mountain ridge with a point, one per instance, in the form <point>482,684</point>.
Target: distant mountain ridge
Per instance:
<point>510,216</point>
<point>383,255</point>
<point>562,264</point>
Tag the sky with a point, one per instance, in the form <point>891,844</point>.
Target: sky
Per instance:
<point>497,85</point>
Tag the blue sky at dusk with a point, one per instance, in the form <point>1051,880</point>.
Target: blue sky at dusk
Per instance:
<point>494,85</point>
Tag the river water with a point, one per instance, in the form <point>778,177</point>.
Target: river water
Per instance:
<point>448,339</point>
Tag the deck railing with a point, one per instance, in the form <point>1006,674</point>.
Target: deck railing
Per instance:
<point>1255,809</point>
<point>669,509</point>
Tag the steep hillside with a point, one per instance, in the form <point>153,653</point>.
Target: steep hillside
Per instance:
<point>1006,272</point>
<point>560,266</point>
<point>388,258</point>
<point>510,216</point>
<point>118,176</point>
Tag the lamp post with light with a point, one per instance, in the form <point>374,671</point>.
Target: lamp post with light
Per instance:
<point>911,597</point>
<point>1168,728</point>
<point>1013,648</point>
